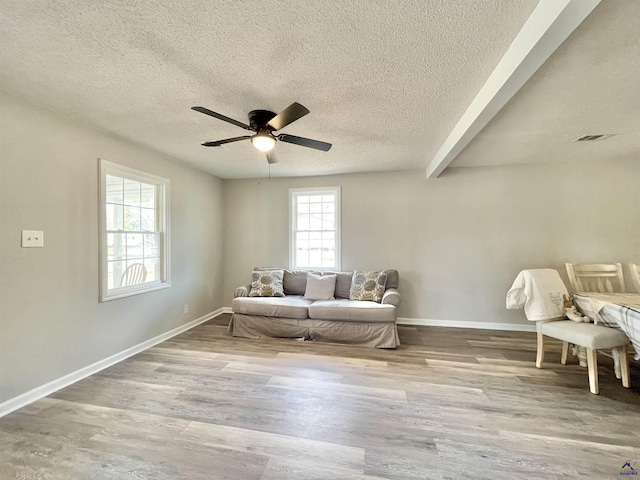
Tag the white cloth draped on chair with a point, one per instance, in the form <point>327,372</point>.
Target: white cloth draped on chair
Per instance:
<point>540,292</point>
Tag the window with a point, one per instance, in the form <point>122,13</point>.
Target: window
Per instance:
<point>134,232</point>
<point>315,228</point>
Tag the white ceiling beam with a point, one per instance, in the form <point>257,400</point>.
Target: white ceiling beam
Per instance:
<point>549,25</point>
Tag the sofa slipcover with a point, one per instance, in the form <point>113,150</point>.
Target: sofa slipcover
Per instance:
<point>340,320</point>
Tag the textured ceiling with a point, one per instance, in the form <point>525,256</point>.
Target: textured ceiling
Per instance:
<point>588,86</point>
<point>385,80</point>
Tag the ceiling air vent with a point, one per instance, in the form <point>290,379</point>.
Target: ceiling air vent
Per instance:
<point>594,138</point>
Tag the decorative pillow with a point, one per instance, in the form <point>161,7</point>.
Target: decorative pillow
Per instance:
<point>295,282</point>
<point>267,283</point>
<point>368,286</point>
<point>343,283</point>
<point>320,287</point>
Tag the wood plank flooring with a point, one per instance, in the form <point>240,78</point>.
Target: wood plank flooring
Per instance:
<point>447,404</point>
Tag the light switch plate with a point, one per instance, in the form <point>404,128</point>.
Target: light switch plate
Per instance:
<point>32,238</point>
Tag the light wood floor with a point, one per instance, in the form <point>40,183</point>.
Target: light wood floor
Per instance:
<point>448,404</point>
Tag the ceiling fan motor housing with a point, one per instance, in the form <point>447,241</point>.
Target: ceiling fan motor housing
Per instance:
<point>258,119</point>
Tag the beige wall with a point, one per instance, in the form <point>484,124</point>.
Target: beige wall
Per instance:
<point>457,241</point>
<point>51,323</point>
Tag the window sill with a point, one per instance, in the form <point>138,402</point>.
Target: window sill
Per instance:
<point>129,293</point>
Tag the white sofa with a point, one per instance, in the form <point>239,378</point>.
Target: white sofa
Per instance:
<point>341,320</point>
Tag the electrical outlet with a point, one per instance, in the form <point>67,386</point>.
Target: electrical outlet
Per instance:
<point>32,238</point>
<point>186,308</point>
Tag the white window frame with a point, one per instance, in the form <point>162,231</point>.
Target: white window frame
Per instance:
<point>293,194</point>
<point>162,205</point>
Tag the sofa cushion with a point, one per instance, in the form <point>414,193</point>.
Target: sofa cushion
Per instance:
<point>291,306</point>
<point>320,287</point>
<point>343,283</point>
<point>267,283</point>
<point>368,286</point>
<point>351,311</point>
<point>392,279</point>
<point>294,282</point>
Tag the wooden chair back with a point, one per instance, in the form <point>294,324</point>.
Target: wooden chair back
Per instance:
<point>596,277</point>
<point>134,274</point>
<point>635,276</point>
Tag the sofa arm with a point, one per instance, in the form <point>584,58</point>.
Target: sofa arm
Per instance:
<point>242,291</point>
<point>391,296</point>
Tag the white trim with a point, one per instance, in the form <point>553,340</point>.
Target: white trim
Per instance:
<point>548,26</point>
<point>152,287</point>
<point>293,192</point>
<point>37,393</point>
<point>428,322</point>
<point>164,227</point>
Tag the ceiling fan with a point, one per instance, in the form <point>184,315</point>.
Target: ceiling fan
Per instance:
<point>264,123</point>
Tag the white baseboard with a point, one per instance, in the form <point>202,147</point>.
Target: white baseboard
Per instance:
<point>37,393</point>
<point>510,327</point>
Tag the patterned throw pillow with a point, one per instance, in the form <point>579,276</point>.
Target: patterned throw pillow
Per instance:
<point>267,283</point>
<point>368,286</point>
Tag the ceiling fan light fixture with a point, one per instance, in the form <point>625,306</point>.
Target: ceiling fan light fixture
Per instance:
<point>263,141</point>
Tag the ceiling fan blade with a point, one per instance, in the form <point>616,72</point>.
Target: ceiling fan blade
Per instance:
<point>219,116</point>
<point>305,142</point>
<point>217,143</point>
<point>272,156</point>
<point>290,114</point>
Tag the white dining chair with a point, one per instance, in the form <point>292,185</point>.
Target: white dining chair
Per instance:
<point>635,276</point>
<point>541,292</point>
<point>596,277</point>
<point>600,278</point>
<point>592,338</point>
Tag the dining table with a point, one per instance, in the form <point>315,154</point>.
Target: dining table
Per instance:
<point>615,310</point>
